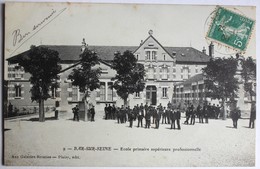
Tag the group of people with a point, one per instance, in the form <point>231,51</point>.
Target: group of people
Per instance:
<point>159,114</point>
<point>149,114</point>
<point>202,112</point>
<point>91,113</point>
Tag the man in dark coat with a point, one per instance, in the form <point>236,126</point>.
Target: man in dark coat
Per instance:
<point>92,113</point>
<point>148,118</point>
<point>168,114</point>
<point>173,118</point>
<point>178,118</point>
<point>109,115</point>
<point>157,117</point>
<point>199,114</point>
<point>130,118</point>
<point>187,113</point>
<point>140,117</point>
<point>163,113</point>
<point>75,111</point>
<point>113,112</point>
<point>193,115</point>
<point>235,115</point>
<point>106,112</point>
<point>252,116</point>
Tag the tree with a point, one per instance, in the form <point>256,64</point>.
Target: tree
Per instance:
<point>130,75</point>
<point>221,82</point>
<point>85,76</point>
<point>248,74</point>
<point>43,65</point>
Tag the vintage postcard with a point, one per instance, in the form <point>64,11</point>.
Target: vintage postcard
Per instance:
<point>129,85</point>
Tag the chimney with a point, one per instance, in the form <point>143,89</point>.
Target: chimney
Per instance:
<point>204,50</point>
<point>211,50</point>
<point>84,45</point>
<point>141,42</point>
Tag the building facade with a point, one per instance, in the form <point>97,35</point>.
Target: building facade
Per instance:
<point>165,67</point>
<point>193,91</point>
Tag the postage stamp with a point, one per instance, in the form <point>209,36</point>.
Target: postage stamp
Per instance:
<point>231,29</point>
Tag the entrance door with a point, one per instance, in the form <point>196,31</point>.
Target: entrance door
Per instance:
<point>151,95</point>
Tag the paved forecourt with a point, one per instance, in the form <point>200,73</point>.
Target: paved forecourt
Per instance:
<point>213,144</point>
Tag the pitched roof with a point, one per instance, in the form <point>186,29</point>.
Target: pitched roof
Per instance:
<point>106,53</point>
<point>187,54</point>
<point>192,79</point>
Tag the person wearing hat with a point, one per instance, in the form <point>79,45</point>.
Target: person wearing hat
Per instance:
<point>92,113</point>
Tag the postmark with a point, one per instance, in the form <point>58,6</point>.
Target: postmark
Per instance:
<point>231,29</point>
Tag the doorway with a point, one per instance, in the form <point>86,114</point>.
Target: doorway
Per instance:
<point>151,95</point>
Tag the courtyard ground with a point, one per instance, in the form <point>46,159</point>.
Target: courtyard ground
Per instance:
<point>65,142</point>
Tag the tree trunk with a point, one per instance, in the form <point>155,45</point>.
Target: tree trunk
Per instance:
<point>41,111</point>
<point>224,109</point>
<point>86,106</point>
<point>125,102</point>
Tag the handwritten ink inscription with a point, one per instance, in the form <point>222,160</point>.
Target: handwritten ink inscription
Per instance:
<point>19,36</point>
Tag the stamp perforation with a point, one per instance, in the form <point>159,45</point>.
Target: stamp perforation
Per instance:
<point>222,43</point>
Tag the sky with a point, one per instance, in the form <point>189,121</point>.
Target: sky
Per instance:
<point>112,24</point>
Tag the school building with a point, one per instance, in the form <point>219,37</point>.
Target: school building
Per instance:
<point>165,68</point>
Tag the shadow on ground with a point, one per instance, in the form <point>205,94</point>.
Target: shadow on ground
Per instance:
<point>36,119</point>
<point>6,130</point>
<point>230,127</point>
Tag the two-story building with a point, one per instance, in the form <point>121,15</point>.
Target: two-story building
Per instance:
<point>164,66</point>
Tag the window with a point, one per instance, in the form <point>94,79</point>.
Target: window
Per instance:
<point>164,73</point>
<point>74,94</point>
<point>18,72</point>
<point>164,92</point>
<point>110,91</point>
<point>18,91</point>
<point>185,71</point>
<point>154,55</point>
<point>150,73</point>
<point>102,91</point>
<point>137,94</point>
<point>137,57</point>
<point>173,70</point>
<point>53,92</point>
<point>70,85</point>
<point>196,70</point>
<point>163,57</point>
<point>148,55</point>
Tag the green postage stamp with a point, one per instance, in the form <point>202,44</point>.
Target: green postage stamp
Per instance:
<point>231,29</point>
